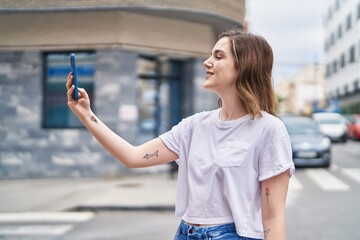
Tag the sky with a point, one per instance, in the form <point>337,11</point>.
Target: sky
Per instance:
<point>293,28</point>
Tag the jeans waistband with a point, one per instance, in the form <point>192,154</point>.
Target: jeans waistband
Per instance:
<point>208,231</point>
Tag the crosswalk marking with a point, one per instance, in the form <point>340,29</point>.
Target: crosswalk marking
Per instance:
<point>326,181</point>
<point>295,184</point>
<point>45,217</point>
<point>353,173</point>
<point>36,224</point>
<point>35,230</point>
<point>334,167</point>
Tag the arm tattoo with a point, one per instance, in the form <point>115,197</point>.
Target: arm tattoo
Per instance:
<point>93,119</point>
<point>266,232</point>
<point>147,156</point>
<point>267,193</point>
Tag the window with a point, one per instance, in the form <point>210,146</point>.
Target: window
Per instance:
<point>56,113</point>
<point>159,94</point>
<point>339,32</point>
<point>352,54</point>
<point>342,61</point>
<point>328,70</point>
<point>337,5</point>
<point>326,45</point>
<point>335,66</point>
<point>348,22</point>
<point>329,13</point>
<point>332,39</point>
<point>356,85</point>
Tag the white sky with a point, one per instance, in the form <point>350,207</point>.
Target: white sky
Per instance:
<point>294,29</point>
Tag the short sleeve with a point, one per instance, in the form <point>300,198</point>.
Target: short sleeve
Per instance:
<point>276,159</point>
<point>178,134</point>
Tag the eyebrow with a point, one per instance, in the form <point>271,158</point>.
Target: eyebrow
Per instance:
<point>219,51</point>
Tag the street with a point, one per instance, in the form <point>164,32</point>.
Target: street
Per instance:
<point>322,204</point>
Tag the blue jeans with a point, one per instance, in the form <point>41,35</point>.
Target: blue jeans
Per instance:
<point>223,232</point>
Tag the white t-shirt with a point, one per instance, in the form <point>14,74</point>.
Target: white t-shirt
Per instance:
<point>221,164</point>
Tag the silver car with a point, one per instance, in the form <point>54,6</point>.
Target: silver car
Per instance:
<point>309,146</point>
<point>332,125</point>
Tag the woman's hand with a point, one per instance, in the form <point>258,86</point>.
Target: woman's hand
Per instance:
<point>80,107</point>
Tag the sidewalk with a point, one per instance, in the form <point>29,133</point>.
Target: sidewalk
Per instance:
<point>155,191</point>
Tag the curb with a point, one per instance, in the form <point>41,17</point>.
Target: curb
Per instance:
<point>157,208</point>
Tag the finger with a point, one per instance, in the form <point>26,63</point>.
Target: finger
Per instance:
<point>83,93</point>
<point>70,93</point>
<point>69,81</point>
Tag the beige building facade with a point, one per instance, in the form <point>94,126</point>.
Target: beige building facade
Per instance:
<point>182,27</point>
<point>302,90</point>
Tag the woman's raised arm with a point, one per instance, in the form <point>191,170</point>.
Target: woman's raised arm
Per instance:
<point>148,154</point>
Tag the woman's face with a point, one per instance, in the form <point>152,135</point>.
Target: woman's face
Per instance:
<point>221,73</point>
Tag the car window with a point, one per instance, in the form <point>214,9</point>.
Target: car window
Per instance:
<point>301,128</point>
<point>330,121</point>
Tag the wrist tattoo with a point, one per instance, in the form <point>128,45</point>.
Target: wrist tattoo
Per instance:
<point>149,155</point>
<point>94,119</point>
<point>266,232</point>
<point>267,193</point>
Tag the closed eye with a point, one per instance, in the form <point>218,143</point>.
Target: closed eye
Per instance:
<point>218,54</point>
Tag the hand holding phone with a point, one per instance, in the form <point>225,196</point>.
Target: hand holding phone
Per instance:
<point>73,70</point>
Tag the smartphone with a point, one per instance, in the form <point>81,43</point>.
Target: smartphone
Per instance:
<point>73,70</point>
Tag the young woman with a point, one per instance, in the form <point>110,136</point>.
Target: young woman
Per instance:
<point>234,162</point>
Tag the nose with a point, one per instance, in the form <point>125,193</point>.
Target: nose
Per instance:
<point>207,63</point>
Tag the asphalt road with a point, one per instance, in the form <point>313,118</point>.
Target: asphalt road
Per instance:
<point>326,204</point>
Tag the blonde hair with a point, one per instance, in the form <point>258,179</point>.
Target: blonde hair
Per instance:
<point>253,61</point>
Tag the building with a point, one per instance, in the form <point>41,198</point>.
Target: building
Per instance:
<point>140,61</point>
<point>342,53</point>
<point>302,91</point>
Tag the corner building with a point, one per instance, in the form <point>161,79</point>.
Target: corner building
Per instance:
<point>140,61</point>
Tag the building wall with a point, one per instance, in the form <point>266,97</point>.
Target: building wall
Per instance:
<point>300,90</point>
<point>226,8</point>
<point>342,79</point>
<point>28,150</point>
<point>116,29</point>
<point>119,32</point>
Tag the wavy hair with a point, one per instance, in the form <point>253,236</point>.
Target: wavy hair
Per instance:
<point>253,61</point>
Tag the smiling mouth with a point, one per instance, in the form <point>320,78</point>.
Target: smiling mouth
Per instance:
<point>208,74</point>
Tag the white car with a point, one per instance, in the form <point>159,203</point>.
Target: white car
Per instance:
<point>332,125</point>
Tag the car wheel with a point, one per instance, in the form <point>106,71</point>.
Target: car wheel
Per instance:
<point>326,165</point>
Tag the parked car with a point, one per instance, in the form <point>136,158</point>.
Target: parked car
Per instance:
<point>348,122</point>
<point>309,145</point>
<point>332,125</point>
<point>354,126</point>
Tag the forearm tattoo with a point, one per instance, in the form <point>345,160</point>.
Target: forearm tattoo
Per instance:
<point>149,155</point>
<point>94,119</point>
<point>266,232</point>
<point>267,193</point>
